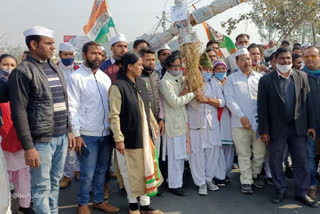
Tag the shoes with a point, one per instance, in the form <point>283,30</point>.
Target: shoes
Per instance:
<point>211,186</point>
<point>106,190</point>
<point>312,193</point>
<point>134,212</point>
<point>105,207</point>
<point>269,181</point>
<point>246,188</point>
<point>65,182</point>
<point>220,183</point>
<point>177,191</point>
<point>77,175</point>
<point>28,210</point>
<point>307,201</point>
<point>149,210</point>
<point>203,190</point>
<point>227,180</point>
<point>84,209</point>
<point>112,175</point>
<point>258,182</point>
<point>289,172</point>
<point>278,197</point>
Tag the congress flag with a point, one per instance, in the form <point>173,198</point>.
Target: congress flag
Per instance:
<point>100,22</point>
<point>226,44</point>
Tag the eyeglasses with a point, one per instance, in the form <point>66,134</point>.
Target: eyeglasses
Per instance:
<point>175,66</point>
<point>310,57</point>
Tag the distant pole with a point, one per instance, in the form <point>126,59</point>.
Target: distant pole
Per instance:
<point>164,21</point>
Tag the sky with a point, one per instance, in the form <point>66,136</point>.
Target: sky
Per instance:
<point>132,18</point>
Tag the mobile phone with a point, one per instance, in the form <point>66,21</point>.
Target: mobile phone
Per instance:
<point>85,151</point>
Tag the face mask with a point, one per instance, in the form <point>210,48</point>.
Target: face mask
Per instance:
<point>206,75</point>
<point>220,76</point>
<point>284,68</point>
<point>5,72</point>
<point>67,62</point>
<point>175,72</point>
<point>242,46</point>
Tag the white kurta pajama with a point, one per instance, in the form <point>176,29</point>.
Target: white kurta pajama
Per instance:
<point>226,134</point>
<point>206,159</point>
<point>176,119</point>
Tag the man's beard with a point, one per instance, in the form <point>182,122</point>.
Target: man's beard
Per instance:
<point>95,64</point>
<point>149,69</point>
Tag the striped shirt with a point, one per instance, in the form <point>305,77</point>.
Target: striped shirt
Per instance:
<point>59,103</point>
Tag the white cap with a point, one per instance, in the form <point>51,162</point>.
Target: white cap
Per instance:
<point>306,44</point>
<point>66,46</point>
<point>164,47</point>
<point>102,48</point>
<point>242,51</point>
<point>40,31</point>
<point>118,38</point>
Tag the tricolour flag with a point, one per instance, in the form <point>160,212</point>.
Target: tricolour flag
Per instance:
<point>226,45</point>
<point>99,23</point>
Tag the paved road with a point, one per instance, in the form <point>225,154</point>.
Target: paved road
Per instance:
<point>228,200</point>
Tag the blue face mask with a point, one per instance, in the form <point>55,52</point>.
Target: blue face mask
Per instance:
<point>206,75</point>
<point>220,76</point>
<point>5,73</point>
<point>67,62</point>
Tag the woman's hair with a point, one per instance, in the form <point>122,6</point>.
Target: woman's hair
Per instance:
<point>171,58</point>
<point>128,58</point>
<point>8,55</point>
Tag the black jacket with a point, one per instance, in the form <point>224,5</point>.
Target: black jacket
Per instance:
<point>31,102</point>
<point>130,114</point>
<point>315,96</point>
<point>3,95</point>
<point>271,106</point>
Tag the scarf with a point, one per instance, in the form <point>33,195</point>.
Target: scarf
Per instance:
<point>151,164</point>
<point>314,73</point>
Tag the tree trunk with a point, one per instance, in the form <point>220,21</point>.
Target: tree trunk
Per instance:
<point>314,35</point>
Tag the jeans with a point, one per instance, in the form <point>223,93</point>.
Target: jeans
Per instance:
<point>312,147</point>
<point>72,164</point>
<point>45,179</point>
<point>93,168</point>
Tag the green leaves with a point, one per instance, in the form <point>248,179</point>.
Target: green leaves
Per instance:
<point>281,19</point>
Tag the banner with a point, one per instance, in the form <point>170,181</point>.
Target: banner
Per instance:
<point>99,23</point>
<point>226,44</point>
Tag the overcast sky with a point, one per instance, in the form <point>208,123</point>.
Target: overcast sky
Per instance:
<point>67,17</point>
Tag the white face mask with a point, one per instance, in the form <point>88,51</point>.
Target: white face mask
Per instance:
<point>242,46</point>
<point>284,68</point>
<point>175,72</point>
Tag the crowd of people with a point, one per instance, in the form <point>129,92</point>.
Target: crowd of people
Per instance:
<point>129,118</point>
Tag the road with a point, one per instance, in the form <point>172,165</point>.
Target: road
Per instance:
<point>228,200</point>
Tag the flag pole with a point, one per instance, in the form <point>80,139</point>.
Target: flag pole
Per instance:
<point>114,28</point>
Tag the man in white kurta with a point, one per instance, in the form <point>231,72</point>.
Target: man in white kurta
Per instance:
<point>240,90</point>
<point>174,139</point>
<point>206,158</point>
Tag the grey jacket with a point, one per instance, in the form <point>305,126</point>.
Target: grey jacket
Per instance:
<point>153,87</point>
<point>271,105</point>
<point>31,102</point>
